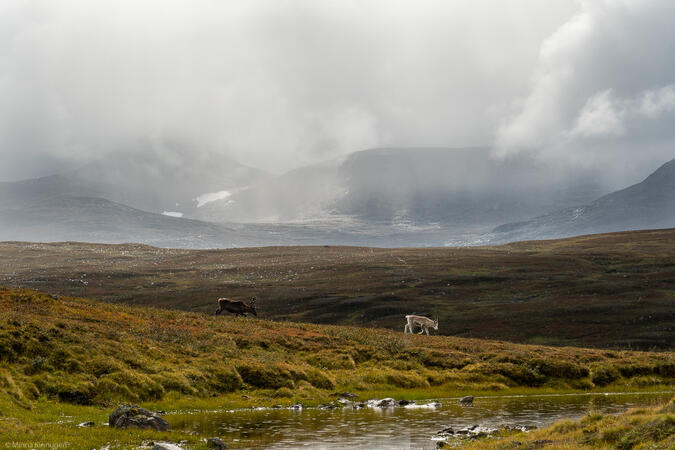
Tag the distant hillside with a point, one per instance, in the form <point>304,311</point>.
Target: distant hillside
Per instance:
<point>63,218</point>
<point>649,204</point>
<point>613,290</point>
<point>155,180</point>
<point>464,187</point>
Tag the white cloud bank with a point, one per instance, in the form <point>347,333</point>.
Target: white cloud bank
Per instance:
<point>603,90</point>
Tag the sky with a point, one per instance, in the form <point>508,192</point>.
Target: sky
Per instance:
<point>279,84</point>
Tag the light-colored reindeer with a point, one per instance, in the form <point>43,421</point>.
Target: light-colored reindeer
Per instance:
<point>423,322</point>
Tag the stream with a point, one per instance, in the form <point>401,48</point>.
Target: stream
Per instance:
<point>400,427</point>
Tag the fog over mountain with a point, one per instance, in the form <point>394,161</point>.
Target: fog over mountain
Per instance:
<point>371,122</point>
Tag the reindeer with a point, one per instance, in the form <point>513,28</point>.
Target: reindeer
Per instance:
<point>236,307</point>
<point>423,322</point>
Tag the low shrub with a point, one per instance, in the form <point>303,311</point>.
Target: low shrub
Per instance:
<point>268,377</point>
<point>226,379</point>
<point>332,360</point>
<point>603,375</point>
<point>283,392</point>
<point>405,380</point>
<point>559,369</point>
<point>141,386</point>
<point>319,379</point>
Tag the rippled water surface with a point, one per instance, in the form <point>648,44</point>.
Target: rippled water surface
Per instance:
<point>396,427</point>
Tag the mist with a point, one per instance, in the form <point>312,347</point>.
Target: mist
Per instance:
<point>271,84</point>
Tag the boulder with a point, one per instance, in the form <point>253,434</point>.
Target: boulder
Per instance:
<point>384,403</point>
<point>468,400</point>
<point>215,443</point>
<point>166,446</point>
<point>405,402</point>
<point>132,416</point>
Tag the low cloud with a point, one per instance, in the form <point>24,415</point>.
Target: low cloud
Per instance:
<point>274,84</point>
<point>603,91</point>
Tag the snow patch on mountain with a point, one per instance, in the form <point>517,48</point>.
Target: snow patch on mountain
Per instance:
<point>211,197</point>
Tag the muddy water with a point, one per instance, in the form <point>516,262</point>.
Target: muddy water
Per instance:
<point>395,427</point>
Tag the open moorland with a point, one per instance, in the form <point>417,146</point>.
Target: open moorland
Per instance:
<point>65,360</point>
<point>613,290</point>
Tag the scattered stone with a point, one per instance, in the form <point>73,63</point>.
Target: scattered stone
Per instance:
<point>166,446</point>
<point>405,402</point>
<point>465,401</point>
<point>516,428</point>
<point>215,443</point>
<point>86,424</point>
<point>448,430</point>
<point>443,444</point>
<point>132,416</point>
<point>344,401</point>
<point>344,395</point>
<point>277,406</point>
<point>384,403</point>
<point>327,406</point>
<point>297,406</point>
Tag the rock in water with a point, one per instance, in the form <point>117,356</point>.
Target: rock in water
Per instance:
<point>387,403</point>
<point>215,443</point>
<point>166,446</point>
<point>132,416</point>
<point>468,400</point>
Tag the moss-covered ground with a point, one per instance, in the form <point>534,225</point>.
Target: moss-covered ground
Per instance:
<point>67,360</point>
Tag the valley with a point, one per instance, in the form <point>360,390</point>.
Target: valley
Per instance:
<point>613,290</point>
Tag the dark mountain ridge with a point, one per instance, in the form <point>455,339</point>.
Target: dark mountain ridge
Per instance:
<point>645,205</point>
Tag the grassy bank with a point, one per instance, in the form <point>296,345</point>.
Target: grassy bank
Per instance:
<point>606,291</point>
<point>640,428</point>
<point>65,360</point>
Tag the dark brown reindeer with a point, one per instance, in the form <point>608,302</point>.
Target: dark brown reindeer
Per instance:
<point>236,307</point>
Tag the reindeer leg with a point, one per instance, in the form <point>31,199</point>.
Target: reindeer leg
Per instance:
<point>427,330</point>
<point>218,311</point>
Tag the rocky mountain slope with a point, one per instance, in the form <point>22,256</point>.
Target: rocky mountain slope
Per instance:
<point>648,204</point>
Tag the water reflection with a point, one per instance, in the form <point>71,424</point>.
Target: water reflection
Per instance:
<point>396,427</point>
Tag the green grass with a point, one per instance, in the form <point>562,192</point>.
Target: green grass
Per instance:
<point>642,428</point>
<point>69,360</point>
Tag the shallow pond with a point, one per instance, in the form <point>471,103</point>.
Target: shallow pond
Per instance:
<point>396,427</point>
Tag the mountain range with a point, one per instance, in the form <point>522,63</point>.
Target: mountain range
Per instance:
<point>645,205</point>
<point>382,197</point>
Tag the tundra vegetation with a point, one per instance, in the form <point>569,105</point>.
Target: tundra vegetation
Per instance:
<point>605,291</point>
<point>66,360</point>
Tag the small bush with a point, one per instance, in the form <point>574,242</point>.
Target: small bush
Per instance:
<point>602,375</point>
<point>559,369</point>
<point>269,377</point>
<point>81,393</point>
<point>319,379</point>
<point>405,380</point>
<point>332,360</point>
<point>174,382</point>
<point>283,392</point>
<point>226,380</point>
<point>141,386</point>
